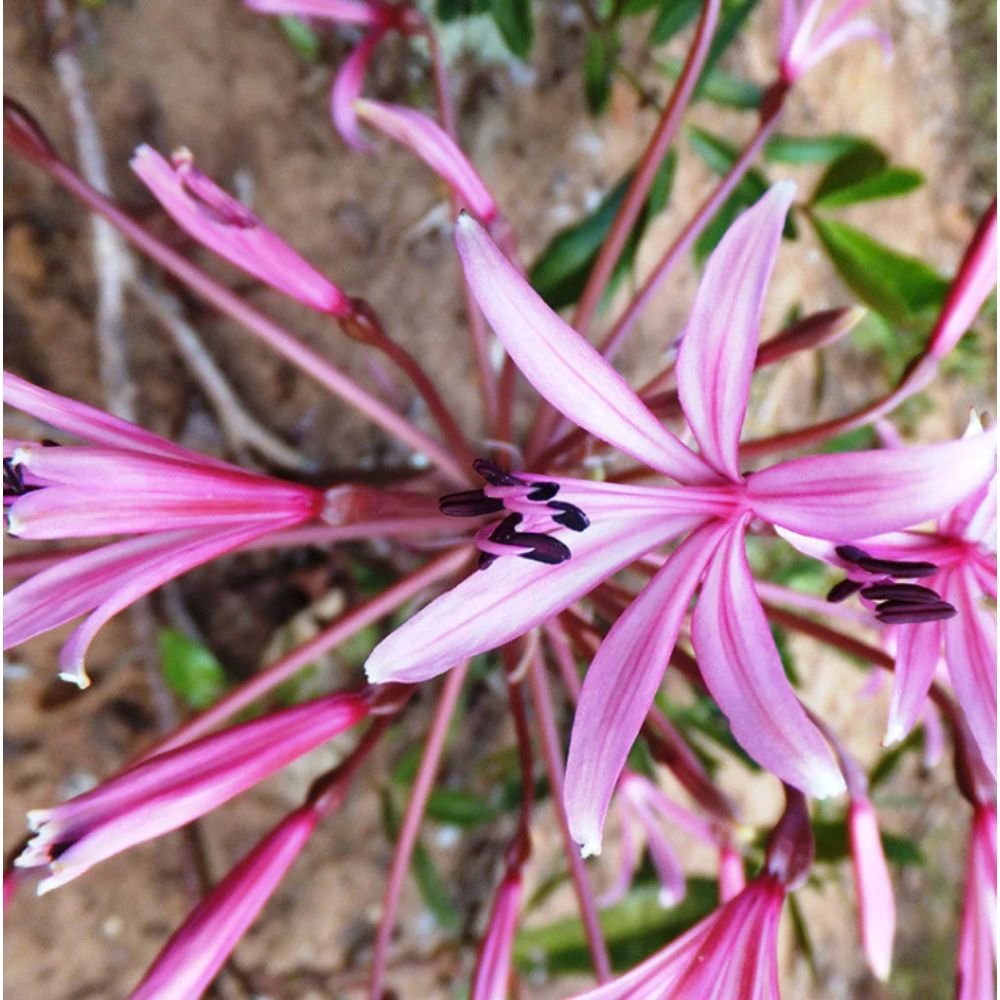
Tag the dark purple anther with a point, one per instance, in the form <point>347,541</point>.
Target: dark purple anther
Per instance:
<point>494,475</point>
<point>544,491</point>
<point>897,568</point>
<point>469,503</point>
<point>570,516</point>
<point>851,553</point>
<point>903,613</point>
<point>841,591</point>
<point>912,593</point>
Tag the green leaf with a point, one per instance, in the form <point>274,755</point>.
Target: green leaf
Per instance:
<point>673,17</point>
<point>719,87</point>
<point>633,929</point>
<point>898,286</point>
<point>452,10</point>
<point>303,40</point>
<point>860,439</point>
<point>833,844</point>
<point>863,174</point>
<point>561,270</point>
<point>190,669</point>
<point>513,18</point>
<point>734,16</point>
<point>886,765</point>
<point>459,808</point>
<point>798,150</point>
<point>598,65</point>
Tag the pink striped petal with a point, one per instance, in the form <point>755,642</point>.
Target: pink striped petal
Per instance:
<point>847,496</point>
<point>90,424</point>
<point>623,680</point>
<point>918,653</point>
<point>872,887</point>
<point>977,952</point>
<point>347,86</point>
<point>828,40</point>
<point>491,979</point>
<point>495,605</point>
<point>342,11</point>
<point>200,947</point>
<point>562,366</point>
<point>732,874</point>
<point>742,670</point>
<point>424,137</point>
<point>719,347</point>
<point>971,653</point>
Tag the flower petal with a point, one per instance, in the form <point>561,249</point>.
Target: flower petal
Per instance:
<point>347,85</point>
<point>719,347</point>
<point>872,887</point>
<point>623,680</point>
<point>918,653</point>
<point>562,366</point>
<point>495,605</point>
<point>742,670</point>
<point>847,496</point>
<point>342,11</point>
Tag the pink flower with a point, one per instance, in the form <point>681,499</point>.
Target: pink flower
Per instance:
<point>200,947</point>
<point>218,221</point>
<point>804,42</point>
<point>168,790</point>
<point>583,531</point>
<point>183,508</point>
<point>977,936</point>
<point>491,979</point>
<point>424,137</point>
<point>872,885</point>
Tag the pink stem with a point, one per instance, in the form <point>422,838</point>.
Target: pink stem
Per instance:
<point>405,843</point>
<point>261,326</point>
<point>278,672</point>
<point>552,751</point>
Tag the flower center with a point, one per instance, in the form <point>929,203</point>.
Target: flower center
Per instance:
<point>895,603</point>
<point>532,511</point>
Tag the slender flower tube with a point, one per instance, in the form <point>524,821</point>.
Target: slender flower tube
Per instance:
<point>872,885</point>
<point>804,42</point>
<point>218,221</point>
<point>184,509</point>
<point>491,979</point>
<point>427,140</point>
<point>836,497</point>
<point>193,956</point>
<point>977,935</point>
<point>171,789</point>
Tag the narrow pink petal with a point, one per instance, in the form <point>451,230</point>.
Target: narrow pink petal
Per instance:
<point>719,346</point>
<point>623,680</point>
<point>668,868</point>
<point>491,979</point>
<point>976,278</point>
<point>970,640</point>
<point>742,670</point>
<point>918,653</point>
<point>872,886</point>
<point>495,605</point>
<point>628,855</point>
<point>977,935</point>
<point>347,86</point>
<point>732,873</point>
<point>79,583</point>
<point>562,366</point>
<point>847,496</point>
<point>424,137</point>
<point>89,423</point>
<point>342,11</point>
<point>201,549</point>
<point>829,39</point>
<point>200,947</point>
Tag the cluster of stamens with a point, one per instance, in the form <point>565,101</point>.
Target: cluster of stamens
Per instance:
<point>895,603</point>
<point>532,511</point>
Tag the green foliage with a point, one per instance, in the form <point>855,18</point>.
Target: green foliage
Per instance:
<point>901,287</point>
<point>833,844</point>
<point>303,40</point>
<point>598,67</point>
<point>513,18</point>
<point>633,930</point>
<point>863,173</point>
<point>561,270</point>
<point>190,669</point>
<point>453,10</point>
<point>803,150</point>
<point>673,17</point>
<point>717,86</point>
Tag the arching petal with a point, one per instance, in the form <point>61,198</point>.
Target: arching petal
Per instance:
<point>742,670</point>
<point>716,358</point>
<point>918,652</point>
<point>562,366</point>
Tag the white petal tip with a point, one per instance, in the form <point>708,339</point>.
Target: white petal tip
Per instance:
<point>829,786</point>
<point>667,898</point>
<point>590,847</point>
<point>465,222</point>
<point>77,676</point>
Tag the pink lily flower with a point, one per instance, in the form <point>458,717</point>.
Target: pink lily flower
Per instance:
<point>197,951</point>
<point>583,531</point>
<point>803,42</point>
<point>977,936</point>
<point>491,979</point>
<point>169,790</point>
<point>937,608</point>
<point>218,221</point>
<point>427,140</point>
<point>184,509</point>
<point>872,885</point>
<point>644,809</point>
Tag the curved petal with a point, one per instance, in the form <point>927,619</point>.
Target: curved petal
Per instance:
<point>341,11</point>
<point>918,652</point>
<point>828,40</point>
<point>716,358</point>
<point>621,683</point>
<point>970,640</point>
<point>742,670</point>
<point>347,87</point>
<point>847,496</point>
<point>495,605</point>
<point>562,366</point>
<point>872,887</point>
